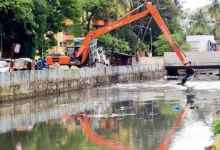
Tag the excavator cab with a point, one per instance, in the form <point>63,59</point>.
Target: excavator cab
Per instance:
<point>75,61</point>
<point>73,49</point>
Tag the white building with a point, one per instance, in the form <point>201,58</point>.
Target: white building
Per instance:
<point>200,42</point>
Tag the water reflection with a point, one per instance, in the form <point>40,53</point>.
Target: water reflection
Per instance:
<point>126,117</point>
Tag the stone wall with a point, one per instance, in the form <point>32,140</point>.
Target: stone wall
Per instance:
<point>23,84</point>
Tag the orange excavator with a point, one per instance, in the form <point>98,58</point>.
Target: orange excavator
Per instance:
<point>131,17</point>
<point>97,139</point>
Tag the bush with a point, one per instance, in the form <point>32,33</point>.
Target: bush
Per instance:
<point>216,128</point>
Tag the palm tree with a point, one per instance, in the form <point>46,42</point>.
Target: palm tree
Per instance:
<point>179,4</point>
<point>122,6</point>
<point>214,13</point>
<point>199,23</point>
<point>126,4</point>
<point>214,10</point>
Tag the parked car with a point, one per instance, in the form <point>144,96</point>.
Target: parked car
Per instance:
<point>4,66</point>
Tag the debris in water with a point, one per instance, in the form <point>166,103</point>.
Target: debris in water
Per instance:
<point>110,115</point>
<point>122,108</point>
<point>176,108</point>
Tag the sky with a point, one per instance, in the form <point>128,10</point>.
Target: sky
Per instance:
<point>194,4</point>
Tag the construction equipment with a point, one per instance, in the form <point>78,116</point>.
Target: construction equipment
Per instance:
<point>128,18</point>
<point>59,58</point>
<point>96,56</point>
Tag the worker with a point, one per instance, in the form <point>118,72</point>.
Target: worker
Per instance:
<point>44,63</point>
<point>11,68</point>
<point>39,64</point>
<point>189,72</point>
<point>29,66</point>
<point>35,64</point>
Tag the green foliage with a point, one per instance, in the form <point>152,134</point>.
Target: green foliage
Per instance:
<point>94,8</point>
<point>162,45</point>
<point>33,22</point>
<point>214,9</point>
<point>200,20</point>
<point>107,41</point>
<point>77,29</point>
<point>199,23</point>
<point>126,33</point>
<point>216,30</point>
<point>144,47</point>
<point>36,22</point>
<point>216,127</point>
<point>214,13</point>
<point>123,5</point>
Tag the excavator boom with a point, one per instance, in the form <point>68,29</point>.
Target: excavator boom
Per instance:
<point>128,18</point>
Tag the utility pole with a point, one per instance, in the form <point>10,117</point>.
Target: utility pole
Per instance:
<point>151,40</point>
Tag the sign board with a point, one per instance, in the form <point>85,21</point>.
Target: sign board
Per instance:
<point>17,48</point>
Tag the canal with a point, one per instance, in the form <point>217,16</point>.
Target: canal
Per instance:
<point>141,116</point>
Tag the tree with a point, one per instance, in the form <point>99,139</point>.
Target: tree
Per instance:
<point>32,22</point>
<point>126,33</point>
<point>199,23</point>
<point>214,10</point>
<point>214,13</point>
<point>162,45</point>
<point>123,6</point>
<point>94,8</point>
<point>108,40</point>
<point>50,16</point>
<point>18,24</point>
<point>179,4</point>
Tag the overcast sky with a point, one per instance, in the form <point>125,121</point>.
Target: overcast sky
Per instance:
<point>193,4</point>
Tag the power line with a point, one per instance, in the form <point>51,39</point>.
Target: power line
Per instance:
<point>146,28</point>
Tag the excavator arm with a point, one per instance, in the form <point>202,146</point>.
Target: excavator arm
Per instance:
<point>128,18</point>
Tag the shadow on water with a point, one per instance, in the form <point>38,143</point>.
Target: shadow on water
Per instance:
<point>133,118</point>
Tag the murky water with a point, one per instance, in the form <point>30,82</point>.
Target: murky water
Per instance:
<point>137,116</point>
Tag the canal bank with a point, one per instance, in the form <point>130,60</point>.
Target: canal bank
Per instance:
<point>24,84</point>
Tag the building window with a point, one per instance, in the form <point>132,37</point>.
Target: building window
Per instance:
<point>61,44</point>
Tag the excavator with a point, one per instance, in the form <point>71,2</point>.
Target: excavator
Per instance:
<point>131,17</point>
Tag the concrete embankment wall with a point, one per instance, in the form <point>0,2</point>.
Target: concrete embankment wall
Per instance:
<point>151,61</point>
<point>23,84</point>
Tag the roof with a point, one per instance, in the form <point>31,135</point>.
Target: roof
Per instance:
<point>24,59</point>
<point>123,54</point>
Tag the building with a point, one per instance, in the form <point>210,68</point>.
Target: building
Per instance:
<point>120,59</point>
<point>200,42</point>
<point>63,38</point>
